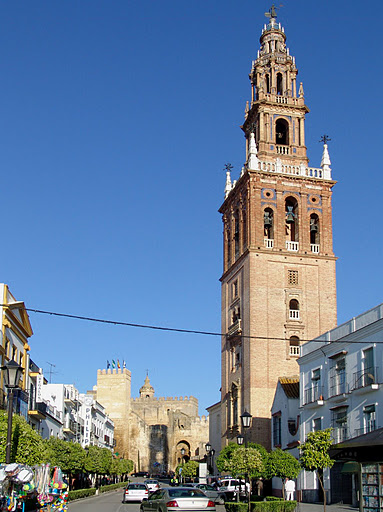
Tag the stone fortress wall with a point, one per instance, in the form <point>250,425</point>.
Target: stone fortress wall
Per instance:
<point>151,430</point>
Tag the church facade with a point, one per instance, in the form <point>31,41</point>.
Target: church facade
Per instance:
<point>156,433</point>
<point>278,281</point>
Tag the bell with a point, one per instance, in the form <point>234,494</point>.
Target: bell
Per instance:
<point>313,227</point>
<point>290,215</point>
<point>267,220</point>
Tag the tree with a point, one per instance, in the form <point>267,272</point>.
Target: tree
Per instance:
<point>190,469</point>
<point>223,460</point>
<point>70,457</point>
<point>246,461</point>
<point>27,445</point>
<point>282,464</point>
<point>315,456</point>
<point>262,472</point>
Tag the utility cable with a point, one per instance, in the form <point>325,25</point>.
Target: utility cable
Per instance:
<point>174,329</point>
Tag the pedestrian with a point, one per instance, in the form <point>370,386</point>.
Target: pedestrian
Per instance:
<point>289,489</point>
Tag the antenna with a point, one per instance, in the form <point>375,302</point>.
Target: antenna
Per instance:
<point>51,370</point>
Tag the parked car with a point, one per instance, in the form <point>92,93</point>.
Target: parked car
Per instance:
<point>144,474</point>
<point>178,499</point>
<point>135,492</point>
<point>232,486</point>
<point>210,491</point>
<point>152,485</point>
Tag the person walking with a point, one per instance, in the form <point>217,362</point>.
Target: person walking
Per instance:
<point>289,489</point>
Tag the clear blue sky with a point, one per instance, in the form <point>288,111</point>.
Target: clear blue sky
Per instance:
<point>117,118</point>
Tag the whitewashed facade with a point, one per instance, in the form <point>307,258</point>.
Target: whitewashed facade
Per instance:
<point>341,387</point>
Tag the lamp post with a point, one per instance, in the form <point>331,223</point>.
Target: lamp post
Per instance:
<point>12,374</point>
<point>208,450</point>
<point>246,422</point>
<point>182,462</point>
<point>212,452</point>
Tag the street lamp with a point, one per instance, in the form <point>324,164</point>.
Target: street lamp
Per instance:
<point>12,373</point>
<point>240,439</point>
<point>212,452</point>
<point>208,447</point>
<point>182,460</point>
<point>246,422</point>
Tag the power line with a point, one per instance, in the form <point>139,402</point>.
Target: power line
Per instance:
<point>173,329</point>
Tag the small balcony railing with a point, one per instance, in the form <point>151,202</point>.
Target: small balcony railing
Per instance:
<point>338,385</point>
<point>369,427</point>
<point>269,243</point>
<point>313,394</point>
<point>281,99</point>
<point>315,248</point>
<point>365,377</point>
<point>282,150</point>
<point>295,350</point>
<point>340,434</point>
<point>235,328</point>
<point>294,314</point>
<point>292,246</point>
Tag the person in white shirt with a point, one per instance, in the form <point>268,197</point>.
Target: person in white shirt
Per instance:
<point>289,489</point>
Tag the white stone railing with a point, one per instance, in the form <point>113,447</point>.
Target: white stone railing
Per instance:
<point>314,248</point>
<point>294,314</point>
<point>282,99</point>
<point>282,150</point>
<point>295,351</point>
<point>292,246</point>
<point>296,170</point>
<point>269,243</point>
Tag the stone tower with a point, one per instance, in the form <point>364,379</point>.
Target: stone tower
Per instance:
<point>278,282</point>
<point>114,393</point>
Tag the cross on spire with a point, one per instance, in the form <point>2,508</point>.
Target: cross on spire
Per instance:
<point>228,167</point>
<point>324,138</point>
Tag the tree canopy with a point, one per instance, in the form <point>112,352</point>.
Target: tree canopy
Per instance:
<point>246,461</point>
<point>223,460</point>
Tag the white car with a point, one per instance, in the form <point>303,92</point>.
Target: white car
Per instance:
<point>152,485</point>
<point>231,486</point>
<point>135,492</point>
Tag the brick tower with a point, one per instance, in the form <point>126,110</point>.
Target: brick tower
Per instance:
<point>278,282</point>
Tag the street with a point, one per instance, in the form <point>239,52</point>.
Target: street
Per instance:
<point>110,502</point>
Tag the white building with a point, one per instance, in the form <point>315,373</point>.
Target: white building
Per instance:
<point>341,387</point>
<point>98,427</point>
<point>285,421</point>
<point>64,399</point>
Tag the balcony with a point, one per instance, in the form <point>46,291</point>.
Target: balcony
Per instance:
<point>292,246</point>
<point>294,314</point>
<point>366,380</point>
<point>235,329</point>
<point>339,434</point>
<point>38,410</point>
<point>269,243</point>
<point>338,385</point>
<point>295,350</point>
<point>314,248</point>
<point>314,395</point>
<point>369,427</point>
<point>282,150</point>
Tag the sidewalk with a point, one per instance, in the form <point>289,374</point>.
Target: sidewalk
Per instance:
<point>318,507</point>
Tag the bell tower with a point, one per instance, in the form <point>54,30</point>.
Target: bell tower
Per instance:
<point>278,281</point>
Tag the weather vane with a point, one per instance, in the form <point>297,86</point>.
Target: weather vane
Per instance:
<point>228,167</point>
<point>272,12</point>
<point>325,138</point>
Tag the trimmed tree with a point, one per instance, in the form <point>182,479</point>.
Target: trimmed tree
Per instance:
<point>282,464</point>
<point>315,455</point>
<point>27,445</point>
<point>190,469</point>
<point>223,460</point>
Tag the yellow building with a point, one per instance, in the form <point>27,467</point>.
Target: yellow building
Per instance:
<point>15,331</point>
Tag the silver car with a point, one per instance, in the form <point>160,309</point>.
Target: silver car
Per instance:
<point>135,492</point>
<point>210,491</point>
<point>178,499</point>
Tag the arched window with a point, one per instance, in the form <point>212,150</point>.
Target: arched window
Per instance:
<point>268,84</point>
<point>236,233</point>
<point>268,226</point>
<point>314,232</point>
<point>295,346</point>
<point>294,309</point>
<point>291,220</point>
<point>282,132</point>
<point>279,83</point>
